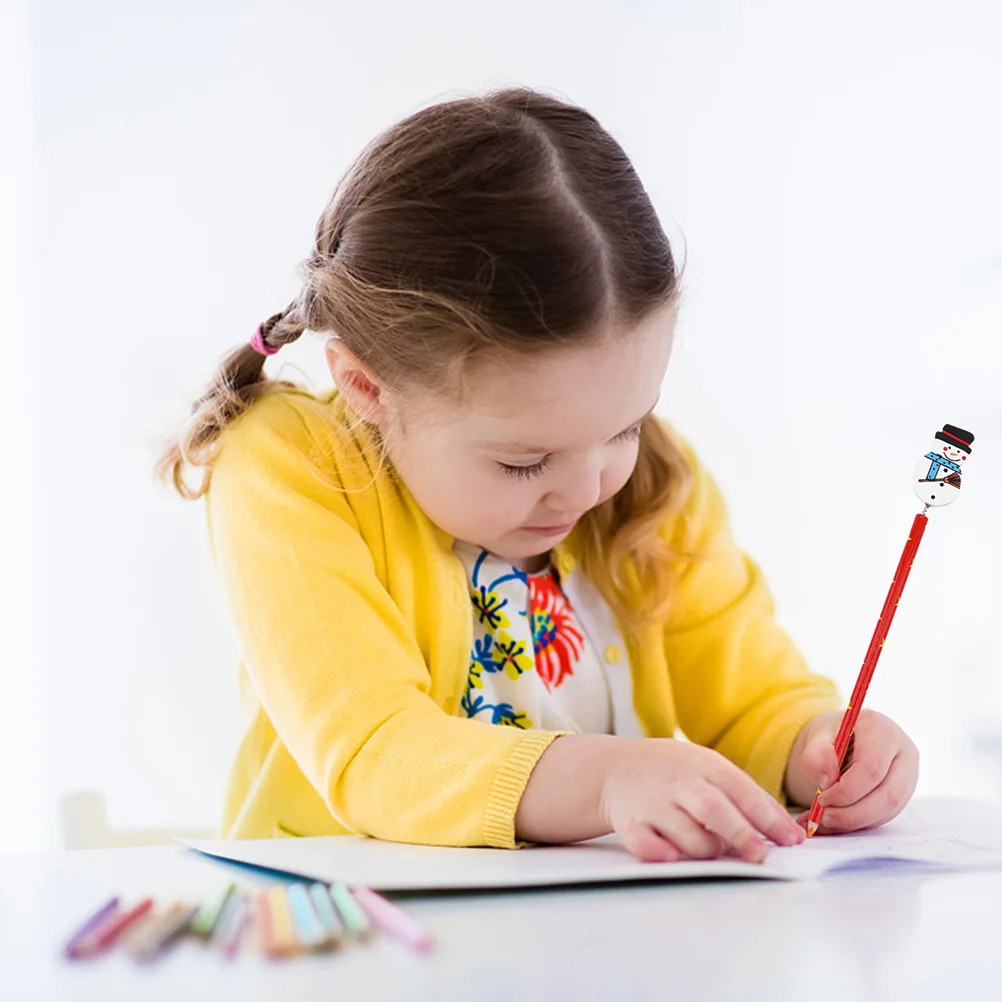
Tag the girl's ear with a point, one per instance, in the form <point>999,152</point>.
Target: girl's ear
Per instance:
<point>359,387</point>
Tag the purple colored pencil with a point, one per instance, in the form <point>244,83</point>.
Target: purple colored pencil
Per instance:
<point>78,938</point>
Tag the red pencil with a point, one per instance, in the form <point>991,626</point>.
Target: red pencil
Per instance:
<point>872,655</point>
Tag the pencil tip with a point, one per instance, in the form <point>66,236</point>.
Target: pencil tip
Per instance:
<point>812,827</point>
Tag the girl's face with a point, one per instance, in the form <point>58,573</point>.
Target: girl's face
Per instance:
<point>534,444</point>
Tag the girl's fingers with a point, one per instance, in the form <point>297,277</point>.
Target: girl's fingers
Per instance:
<point>648,844</point>
<point>761,810</point>
<point>690,834</point>
<point>714,811</point>
<point>819,762</point>
<point>823,829</point>
<point>881,804</point>
<point>869,767</point>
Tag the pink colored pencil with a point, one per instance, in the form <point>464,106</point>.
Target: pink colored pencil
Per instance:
<point>265,924</point>
<point>393,920</point>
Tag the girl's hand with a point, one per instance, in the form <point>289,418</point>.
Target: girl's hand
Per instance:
<point>669,800</point>
<point>877,782</point>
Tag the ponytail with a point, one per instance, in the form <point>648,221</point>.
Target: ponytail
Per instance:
<point>238,382</point>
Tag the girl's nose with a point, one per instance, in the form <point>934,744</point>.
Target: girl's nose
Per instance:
<point>578,491</point>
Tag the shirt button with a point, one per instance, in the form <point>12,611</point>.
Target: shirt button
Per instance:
<point>566,564</point>
<point>613,654</point>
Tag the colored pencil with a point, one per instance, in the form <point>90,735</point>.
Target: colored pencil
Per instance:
<point>355,918</point>
<point>107,932</point>
<point>265,924</point>
<point>326,912</point>
<point>286,942</point>
<point>154,939</point>
<point>851,714</point>
<point>228,932</point>
<point>394,921</point>
<point>88,926</point>
<point>308,926</point>
<point>208,915</point>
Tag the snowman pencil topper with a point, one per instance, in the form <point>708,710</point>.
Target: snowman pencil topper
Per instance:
<point>938,473</point>
<point>936,480</point>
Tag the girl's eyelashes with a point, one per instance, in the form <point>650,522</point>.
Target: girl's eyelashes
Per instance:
<point>528,472</point>
<point>525,472</point>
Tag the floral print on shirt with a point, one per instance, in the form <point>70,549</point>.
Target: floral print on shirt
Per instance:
<point>556,638</point>
<point>523,624</point>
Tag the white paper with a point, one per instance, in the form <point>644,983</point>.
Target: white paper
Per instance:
<point>945,833</point>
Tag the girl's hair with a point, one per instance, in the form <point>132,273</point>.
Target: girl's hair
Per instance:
<point>507,223</point>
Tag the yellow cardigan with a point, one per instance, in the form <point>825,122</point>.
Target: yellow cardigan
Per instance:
<point>355,624</point>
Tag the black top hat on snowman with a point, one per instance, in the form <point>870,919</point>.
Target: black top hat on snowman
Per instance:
<point>956,437</point>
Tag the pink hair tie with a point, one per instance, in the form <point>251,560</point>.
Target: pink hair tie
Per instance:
<point>257,343</point>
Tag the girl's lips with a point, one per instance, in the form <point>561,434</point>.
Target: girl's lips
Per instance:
<point>550,530</point>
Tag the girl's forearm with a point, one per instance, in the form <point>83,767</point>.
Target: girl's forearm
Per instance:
<point>562,801</point>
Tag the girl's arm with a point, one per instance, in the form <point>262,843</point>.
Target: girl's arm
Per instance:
<point>666,799</point>
<point>331,658</point>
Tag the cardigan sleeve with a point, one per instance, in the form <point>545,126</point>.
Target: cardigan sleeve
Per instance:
<point>331,657</point>
<point>739,683</point>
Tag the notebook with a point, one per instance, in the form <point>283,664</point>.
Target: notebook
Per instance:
<point>932,834</point>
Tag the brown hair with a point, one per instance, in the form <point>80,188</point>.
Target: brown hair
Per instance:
<point>509,222</point>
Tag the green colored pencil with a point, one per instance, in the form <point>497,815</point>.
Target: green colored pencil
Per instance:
<point>354,917</point>
<point>208,915</point>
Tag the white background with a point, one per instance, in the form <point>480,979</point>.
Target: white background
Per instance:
<point>836,172</point>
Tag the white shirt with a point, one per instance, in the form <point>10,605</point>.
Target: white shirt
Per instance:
<point>547,652</point>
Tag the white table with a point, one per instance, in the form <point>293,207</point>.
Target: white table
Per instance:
<point>875,937</point>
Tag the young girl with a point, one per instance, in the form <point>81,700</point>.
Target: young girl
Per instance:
<point>480,588</point>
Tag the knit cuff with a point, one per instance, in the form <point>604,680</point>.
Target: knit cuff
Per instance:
<point>509,785</point>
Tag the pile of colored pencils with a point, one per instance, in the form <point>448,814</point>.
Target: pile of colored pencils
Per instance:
<point>285,921</point>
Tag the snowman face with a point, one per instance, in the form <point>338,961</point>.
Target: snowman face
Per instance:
<point>951,452</point>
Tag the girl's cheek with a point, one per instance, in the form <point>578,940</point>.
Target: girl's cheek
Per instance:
<point>616,476</point>
<point>507,497</point>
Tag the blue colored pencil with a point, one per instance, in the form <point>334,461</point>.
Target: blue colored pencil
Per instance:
<point>308,927</point>
<point>329,919</point>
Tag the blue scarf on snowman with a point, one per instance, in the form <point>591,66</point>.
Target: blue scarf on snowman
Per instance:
<point>940,462</point>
